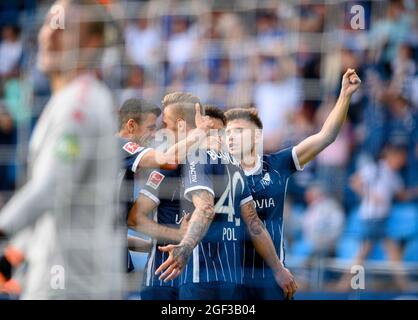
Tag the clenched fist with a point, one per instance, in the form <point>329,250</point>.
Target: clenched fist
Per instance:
<point>350,83</point>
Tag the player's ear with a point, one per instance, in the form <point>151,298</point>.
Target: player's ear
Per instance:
<point>131,125</point>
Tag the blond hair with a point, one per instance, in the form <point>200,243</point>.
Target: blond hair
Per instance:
<point>183,104</point>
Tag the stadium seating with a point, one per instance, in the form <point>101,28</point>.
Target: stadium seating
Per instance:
<point>403,221</point>
<point>349,246</point>
<point>411,251</point>
<point>353,225</point>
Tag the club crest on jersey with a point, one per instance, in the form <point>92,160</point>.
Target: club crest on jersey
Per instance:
<point>155,179</point>
<point>266,180</point>
<point>131,147</point>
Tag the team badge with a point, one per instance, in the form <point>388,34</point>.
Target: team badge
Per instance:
<point>155,179</point>
<point>266,180</point>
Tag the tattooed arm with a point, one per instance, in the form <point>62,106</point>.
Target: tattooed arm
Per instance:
<point>265,248</point>
<point>198,226</point>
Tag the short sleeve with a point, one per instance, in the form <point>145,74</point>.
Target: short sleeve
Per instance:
<point>132,155</point>
<point>153,186</point>
<point>246,193</point>
<point>197,176</point>
<point>285,161</point>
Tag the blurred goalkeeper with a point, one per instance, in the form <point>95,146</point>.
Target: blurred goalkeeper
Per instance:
<point>66,212</point>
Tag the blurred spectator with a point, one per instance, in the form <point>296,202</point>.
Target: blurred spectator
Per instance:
<point>404,70</point>
<point>332,162</point>
<point>269,34</point>
<point>402,121</point>
<point>7,141</point>
<point>181,44</point>
<point>136,86</point>
<point>143,43</point>
<point>323,220</point>
<point>389,32</point>
<point>378,184</point>
<point>309,17</point>
<point>10,51</point>
<point>277,95</point>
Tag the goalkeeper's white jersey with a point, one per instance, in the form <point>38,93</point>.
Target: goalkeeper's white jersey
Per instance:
<point>74,245</point>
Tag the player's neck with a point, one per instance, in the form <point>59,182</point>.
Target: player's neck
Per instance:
<point>249,161</point>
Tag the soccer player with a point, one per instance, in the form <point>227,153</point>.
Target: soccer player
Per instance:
<point>130,129</point>
<point>267,177</point>
<point>68,206</point>
<point>137,128</point>
<point>217,195</point>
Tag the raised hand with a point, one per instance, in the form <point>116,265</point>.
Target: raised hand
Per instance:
<point>351,82</point>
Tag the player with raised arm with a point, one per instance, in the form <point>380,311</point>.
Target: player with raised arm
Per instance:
<point>217,194</point>
<point>267,177</point>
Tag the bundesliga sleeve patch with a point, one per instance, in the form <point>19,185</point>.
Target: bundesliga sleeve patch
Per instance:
<point>155,179</point>
<point>131,147</point>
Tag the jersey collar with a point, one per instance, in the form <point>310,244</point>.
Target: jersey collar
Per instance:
<point>256,168</point>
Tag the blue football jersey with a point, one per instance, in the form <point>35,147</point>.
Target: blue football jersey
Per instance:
<point>164,187</point>
<point>218,256</point>
<point>132,154</point>
<point>268,182</point>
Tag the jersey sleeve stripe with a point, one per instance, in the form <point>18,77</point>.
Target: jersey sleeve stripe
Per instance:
<point>196,269</point>
<point>296,160</point>
<point>150,195</point>
<point>138,158</point>
<point>247,199</point>
<point>187,191</point>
